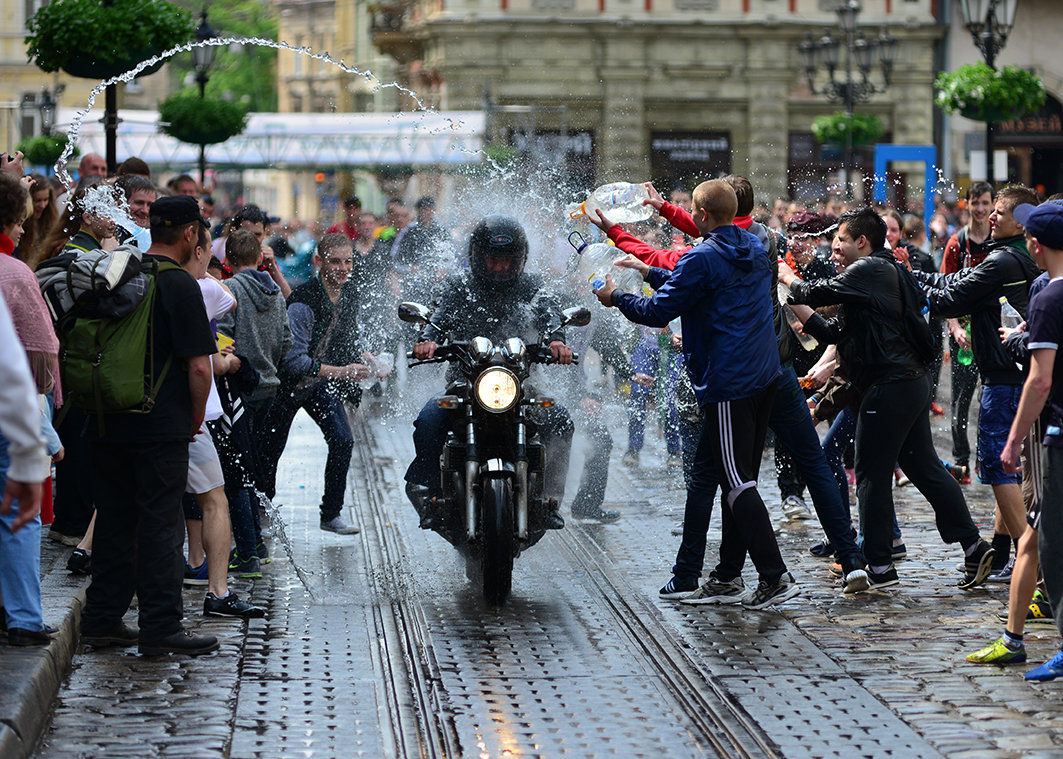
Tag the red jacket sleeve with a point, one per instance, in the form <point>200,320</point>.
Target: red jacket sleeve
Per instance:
<point>950,262</point>
<point>679,219</point>
<point>628,243</point>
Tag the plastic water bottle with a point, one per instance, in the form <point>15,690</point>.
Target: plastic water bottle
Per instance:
<point>808,342</point>
<point>965,355</point>
<point>594,261</point>
<point>1009,317</point>
<point>620,201</point>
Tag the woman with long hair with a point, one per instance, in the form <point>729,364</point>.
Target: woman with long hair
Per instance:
<point>40,222</point>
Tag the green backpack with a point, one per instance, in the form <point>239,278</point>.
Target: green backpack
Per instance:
<point>107,364</point>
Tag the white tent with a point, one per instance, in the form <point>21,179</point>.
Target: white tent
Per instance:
<point>301,140</point>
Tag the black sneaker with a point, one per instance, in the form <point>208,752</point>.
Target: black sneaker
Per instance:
<point>196,575</point>
<point>824,549</point>
<point>231,606</point>
<point>596,514</point>
<point>878,580</point>
<point>768,594</point>
<point>80,562</point>
<point>263,553</point>
<point>679,588</point>
<point>977,566</point>
<point>183,642</point>
<point>248,568</point>
<point>121,636</point>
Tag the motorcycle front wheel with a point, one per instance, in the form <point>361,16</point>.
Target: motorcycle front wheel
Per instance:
<point>498,541</point>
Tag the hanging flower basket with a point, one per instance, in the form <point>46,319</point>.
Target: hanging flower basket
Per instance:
<point>187,117</point>
<point>980,93</point>
<point>836,128</point>
<point>45,150</point>
<point>99,40</point>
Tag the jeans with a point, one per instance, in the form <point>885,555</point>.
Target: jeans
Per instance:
<point>329,414</point>
<point>893,426</point>
<point>73,499</point>
<point>20,562</point>
<point>645,359</point>
<point>595,475</point>
<point>792,424</point>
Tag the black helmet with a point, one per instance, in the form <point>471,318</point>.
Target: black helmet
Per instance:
<point>498,236</point>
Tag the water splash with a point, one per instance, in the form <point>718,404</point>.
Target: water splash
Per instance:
<point>369,76</point>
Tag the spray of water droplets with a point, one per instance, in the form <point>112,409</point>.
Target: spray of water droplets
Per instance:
<point>375,84</point>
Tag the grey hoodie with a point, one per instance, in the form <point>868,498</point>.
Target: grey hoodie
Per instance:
<point>259,325</point>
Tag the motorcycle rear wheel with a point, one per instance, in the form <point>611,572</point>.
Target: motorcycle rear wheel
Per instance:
<point>499,541</point>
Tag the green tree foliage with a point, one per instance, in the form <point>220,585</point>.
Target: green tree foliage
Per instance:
<point>247,74</point>
<point>66,33</point>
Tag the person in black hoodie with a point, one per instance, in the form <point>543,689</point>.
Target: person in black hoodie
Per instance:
<point>875,293</point>
<point>1007,272</point>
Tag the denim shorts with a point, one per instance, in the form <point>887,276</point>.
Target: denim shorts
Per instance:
<point>999,405</point>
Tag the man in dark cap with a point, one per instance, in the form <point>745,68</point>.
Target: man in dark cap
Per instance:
<point>141,459</point>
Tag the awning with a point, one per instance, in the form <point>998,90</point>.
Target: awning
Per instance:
<point>301,140</point>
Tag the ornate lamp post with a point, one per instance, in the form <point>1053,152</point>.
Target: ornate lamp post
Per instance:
<point>859,50</point>
<point>989,22</point>
<point>46,106</point>
<point>203,57</point>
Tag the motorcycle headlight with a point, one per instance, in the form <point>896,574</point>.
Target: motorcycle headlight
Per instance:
<point>496,389</point>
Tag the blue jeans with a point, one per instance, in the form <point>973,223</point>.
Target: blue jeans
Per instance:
<point>20,562</point>
<point>793,427</point>
<point>645,359</point>
<point>329,414</point>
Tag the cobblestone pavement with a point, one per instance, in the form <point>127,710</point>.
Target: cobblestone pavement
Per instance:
<point>376,645</point>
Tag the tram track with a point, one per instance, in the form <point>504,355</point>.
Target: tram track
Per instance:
<point>724,728</point>
<point>420,722</point>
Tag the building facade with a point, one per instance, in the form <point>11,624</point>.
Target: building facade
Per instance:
<point>672,90</point>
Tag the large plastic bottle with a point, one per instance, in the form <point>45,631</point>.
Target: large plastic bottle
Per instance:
<point>808,342</point>
<point>620,201</point>
<point>1009,317</point>
<point>593,261</point>
<point>965,355</point>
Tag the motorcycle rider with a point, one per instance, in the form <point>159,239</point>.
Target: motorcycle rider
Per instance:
<point>495,299</point>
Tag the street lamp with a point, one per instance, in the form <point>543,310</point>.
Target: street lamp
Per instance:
<point>46,107</point>
<point>859,50</point>
<point>989,22</point>
<point>203,56</point>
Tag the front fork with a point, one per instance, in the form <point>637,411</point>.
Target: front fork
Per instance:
<point>472,473</point>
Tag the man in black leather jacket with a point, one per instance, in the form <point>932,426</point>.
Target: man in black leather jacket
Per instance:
<point>1008,271</point>
<point>893,424</point>
<point>496,299</point>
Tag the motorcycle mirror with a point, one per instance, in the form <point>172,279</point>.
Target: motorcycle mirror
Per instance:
<point>413,312</point>
<point>577,316</point>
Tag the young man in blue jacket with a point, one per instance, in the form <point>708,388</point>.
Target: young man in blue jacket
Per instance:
<point>722,290</point>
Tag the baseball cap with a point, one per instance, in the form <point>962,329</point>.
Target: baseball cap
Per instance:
<point>1045,222</point>
<point>175,211</point>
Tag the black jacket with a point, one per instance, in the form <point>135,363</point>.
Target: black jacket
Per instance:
<point>868,329</point>
<point>468,308</point>
<point>1007,271</point>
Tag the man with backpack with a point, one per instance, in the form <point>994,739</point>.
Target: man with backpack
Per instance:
<point>141,457</point>
<point>887,345</point>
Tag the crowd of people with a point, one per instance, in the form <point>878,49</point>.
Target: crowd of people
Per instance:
<point>763,323</point>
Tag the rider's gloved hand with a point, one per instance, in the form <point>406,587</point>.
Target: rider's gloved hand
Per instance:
<point>427,349</point>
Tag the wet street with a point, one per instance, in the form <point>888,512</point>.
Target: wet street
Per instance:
<point>376,645</point>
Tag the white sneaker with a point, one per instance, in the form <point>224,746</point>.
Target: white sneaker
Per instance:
<point>794,507</point>
<point>677,528</point>
<point>340,526</point>
<point>713,591</point>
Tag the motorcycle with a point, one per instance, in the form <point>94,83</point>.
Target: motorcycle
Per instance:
<point>492,472</point>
